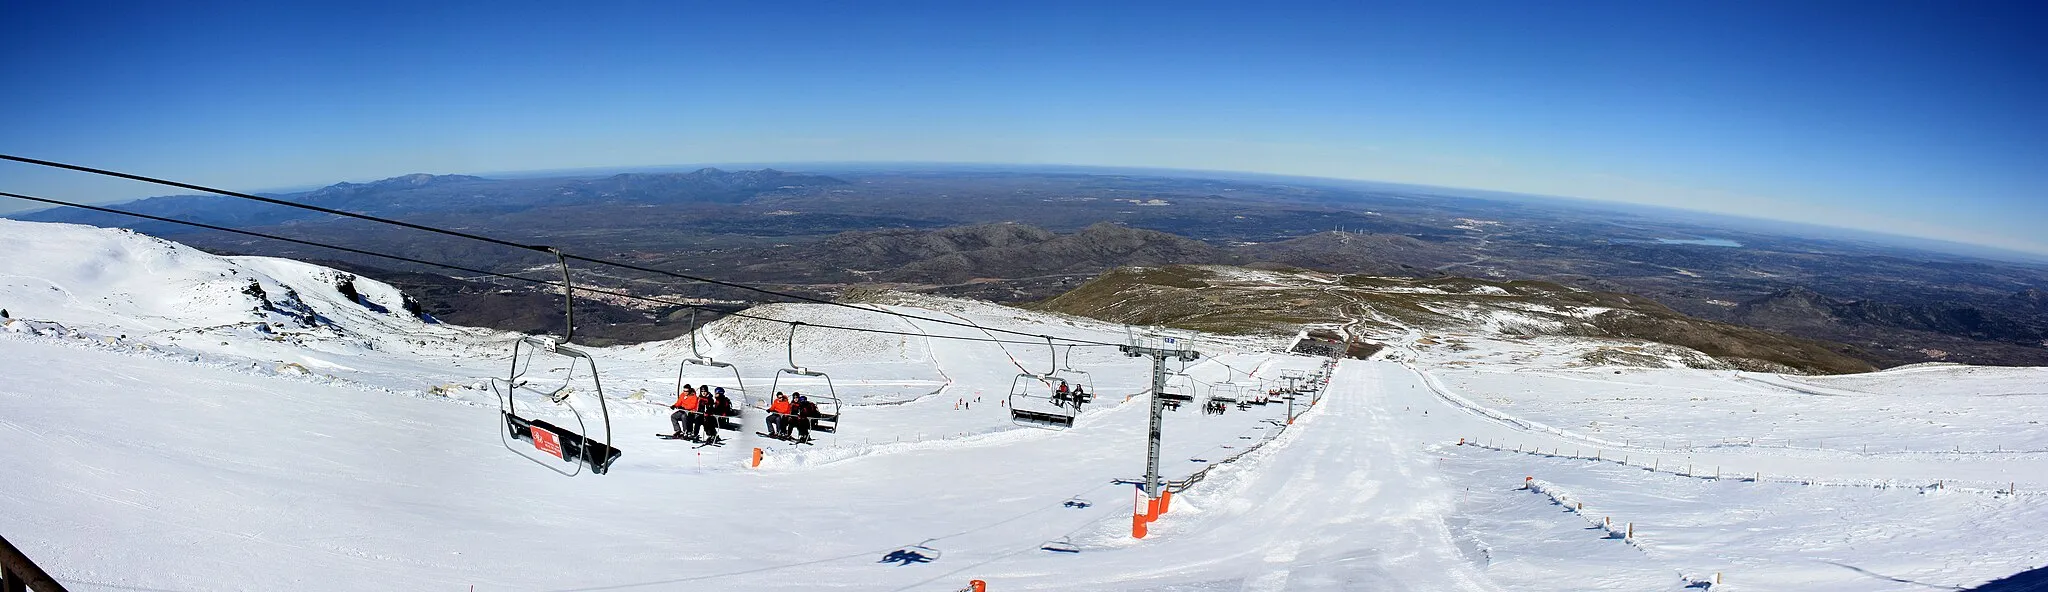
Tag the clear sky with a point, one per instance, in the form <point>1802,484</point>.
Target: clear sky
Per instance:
<point>1920,118</point>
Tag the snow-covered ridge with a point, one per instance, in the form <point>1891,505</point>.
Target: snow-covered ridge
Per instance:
<point>111,280</point>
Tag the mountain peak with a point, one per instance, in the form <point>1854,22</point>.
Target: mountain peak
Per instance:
<point>399,183</point>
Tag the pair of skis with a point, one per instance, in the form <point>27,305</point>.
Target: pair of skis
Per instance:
<point>805,441</point>
<point>700,444</point>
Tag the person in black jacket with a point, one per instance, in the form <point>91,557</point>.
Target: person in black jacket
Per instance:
<point>801,415</point>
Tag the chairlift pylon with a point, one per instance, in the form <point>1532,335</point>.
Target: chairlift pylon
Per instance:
<point>827,420</point>
<point>578,447</point>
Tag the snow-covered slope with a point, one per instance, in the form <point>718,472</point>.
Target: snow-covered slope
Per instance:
<point>156,438</point>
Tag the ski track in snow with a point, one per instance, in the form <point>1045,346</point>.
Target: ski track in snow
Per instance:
<point>174,432</point>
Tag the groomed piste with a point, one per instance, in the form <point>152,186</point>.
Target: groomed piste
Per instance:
<point>180,421</point>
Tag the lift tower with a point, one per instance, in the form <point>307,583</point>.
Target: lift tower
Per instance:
<point>1166,348</point>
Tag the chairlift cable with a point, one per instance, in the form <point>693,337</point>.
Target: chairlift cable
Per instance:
<point>587,290</point>
<point>487,239</point>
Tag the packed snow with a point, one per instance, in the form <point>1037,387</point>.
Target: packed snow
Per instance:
<point>180,421</point>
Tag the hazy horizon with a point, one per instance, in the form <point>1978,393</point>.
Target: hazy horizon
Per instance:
<point>1790,228</point>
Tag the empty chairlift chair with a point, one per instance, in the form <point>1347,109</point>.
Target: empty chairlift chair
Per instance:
<point>543,374</point>
<point>546,372</point>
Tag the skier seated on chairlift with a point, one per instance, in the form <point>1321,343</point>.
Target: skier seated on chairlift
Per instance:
<point>708,413</point>
<point>724,405</point>
<point>778,416</point>
<point>684,420</point>
<point>1060,398</point>
<point>802,412</point>
<point>1080,395</point>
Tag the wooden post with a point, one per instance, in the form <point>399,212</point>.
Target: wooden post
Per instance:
<point>1631,531</point>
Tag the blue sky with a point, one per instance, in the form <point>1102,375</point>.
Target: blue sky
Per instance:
<point>1917,118</point>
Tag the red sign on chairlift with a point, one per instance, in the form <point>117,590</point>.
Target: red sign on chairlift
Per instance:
<point>545,441</point>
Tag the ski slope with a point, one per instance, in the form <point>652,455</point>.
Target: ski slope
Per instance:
<point>169,430</point>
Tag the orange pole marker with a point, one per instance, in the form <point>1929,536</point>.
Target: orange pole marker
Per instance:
<point>977,585</point>
<point>1166,501</point>
<point>757,457</point>
<point>1140,510</point>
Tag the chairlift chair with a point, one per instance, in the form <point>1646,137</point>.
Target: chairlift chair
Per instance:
<point>1254,395</point>
<point>1040,411</point>
<point>558,448</point>
<point>1224,392</point>
<point>1052,410</point>
<point>1079,378</point>
<point>1180,388</point>
<point>730,423</point>
<point>827,420</point>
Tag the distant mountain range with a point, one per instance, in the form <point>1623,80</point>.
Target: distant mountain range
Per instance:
<point>424,193</point>
<point>1016,236</point>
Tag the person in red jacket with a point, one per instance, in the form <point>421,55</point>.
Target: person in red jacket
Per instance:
<point>685,418</point>
<point>778,416</point>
